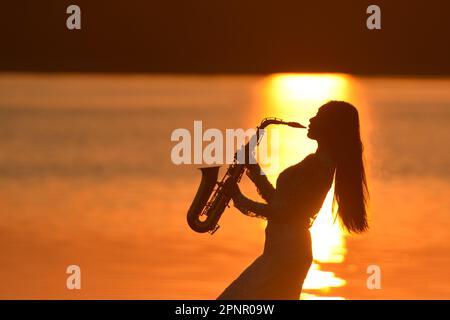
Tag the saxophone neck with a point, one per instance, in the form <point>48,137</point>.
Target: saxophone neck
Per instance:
<point>272,120</point>
<point>256,138</point>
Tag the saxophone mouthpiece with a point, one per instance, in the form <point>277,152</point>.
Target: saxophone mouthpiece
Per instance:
<point>296,125</point>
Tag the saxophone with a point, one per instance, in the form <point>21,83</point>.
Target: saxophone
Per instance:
<point>211,198</point>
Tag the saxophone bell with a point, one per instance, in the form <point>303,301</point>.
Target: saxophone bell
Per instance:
<point>199,204</point>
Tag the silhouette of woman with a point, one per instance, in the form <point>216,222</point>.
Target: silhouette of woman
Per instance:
<point>292,207</point>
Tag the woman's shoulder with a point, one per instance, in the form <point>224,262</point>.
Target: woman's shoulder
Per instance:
<point>315,164</point>
<point>323,161</point>
<point>298,168</point>
<point>311,164</point>
<point>307,161</point>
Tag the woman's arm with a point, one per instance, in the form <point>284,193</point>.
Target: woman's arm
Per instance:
<point>249,207</point>
<point>263,185</point>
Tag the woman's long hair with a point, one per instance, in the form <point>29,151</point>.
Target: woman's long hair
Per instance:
<point>350,185</point>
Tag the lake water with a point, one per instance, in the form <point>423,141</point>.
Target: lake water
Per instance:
<point>86,178</point>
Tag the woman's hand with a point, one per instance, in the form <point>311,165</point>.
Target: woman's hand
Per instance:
<point>232,190</point>
<point>253,170</point>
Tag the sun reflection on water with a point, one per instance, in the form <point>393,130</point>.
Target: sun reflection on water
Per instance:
<point>297,97</point>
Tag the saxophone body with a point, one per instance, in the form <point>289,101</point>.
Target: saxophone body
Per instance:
<point>212,197</point>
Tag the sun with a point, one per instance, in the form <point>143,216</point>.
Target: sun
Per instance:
<point>309,87</point>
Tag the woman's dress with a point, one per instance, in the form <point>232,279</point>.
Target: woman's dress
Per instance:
<point>280,271</point>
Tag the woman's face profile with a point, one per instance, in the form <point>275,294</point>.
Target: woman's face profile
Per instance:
<point>316,126</point>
